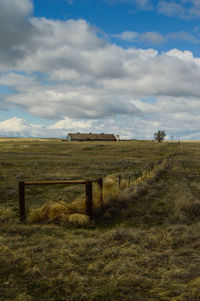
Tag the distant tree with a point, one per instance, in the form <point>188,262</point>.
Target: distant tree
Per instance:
<point>159,136</point>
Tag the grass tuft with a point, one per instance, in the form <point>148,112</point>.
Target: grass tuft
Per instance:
<point>79,219</point>
<point>6,215</point>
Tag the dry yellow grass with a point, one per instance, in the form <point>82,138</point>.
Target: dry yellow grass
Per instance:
<point>6,139</point>
<point>79,219</point>
<point>110,189</point>
<point>75,212</point>
<point>57,212</point>
<point>151,251</point>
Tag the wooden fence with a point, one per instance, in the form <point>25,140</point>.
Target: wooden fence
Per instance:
<point>88,184</point>
<point>148,170</point>
<point>88,191</point>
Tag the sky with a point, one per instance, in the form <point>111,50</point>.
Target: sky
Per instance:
<point>128,67</point>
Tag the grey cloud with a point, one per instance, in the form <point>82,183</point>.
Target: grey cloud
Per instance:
<point>22,36</point>
<point>184,36</point>
<point>49,104</point>
<point>99,89</point>
<point>15,29</point>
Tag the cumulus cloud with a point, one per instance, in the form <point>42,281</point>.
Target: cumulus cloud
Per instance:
<point>14,125</point>
<point>64,71</point>
<point>157,116</point>
<point>18,127</point>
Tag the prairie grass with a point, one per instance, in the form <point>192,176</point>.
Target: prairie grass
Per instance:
<point>144,246</point>
<point>115,198</point>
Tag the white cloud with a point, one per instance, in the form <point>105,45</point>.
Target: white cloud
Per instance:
<point>72,125</point>
<point>18,127</point>
<point>186,55</point>
<point>14,125</point>
<point>154,38</point>
<point>127,36</point>
<point>179,9</point>
<point>63,68</point>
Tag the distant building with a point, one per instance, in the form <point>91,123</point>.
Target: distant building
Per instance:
<point>90,137</point>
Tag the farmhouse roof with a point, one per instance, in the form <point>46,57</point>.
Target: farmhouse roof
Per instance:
<point>92,137</point>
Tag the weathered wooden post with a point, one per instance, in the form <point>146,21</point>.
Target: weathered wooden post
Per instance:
<point>89,204</point>
<point>119,179</point>
<point>22,201</point>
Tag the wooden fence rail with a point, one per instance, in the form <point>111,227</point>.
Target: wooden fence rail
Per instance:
<point>88,190</point>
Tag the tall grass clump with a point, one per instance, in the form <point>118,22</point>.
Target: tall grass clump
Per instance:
<point>186,210</point>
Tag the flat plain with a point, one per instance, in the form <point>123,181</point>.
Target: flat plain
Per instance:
<point>145,246</point>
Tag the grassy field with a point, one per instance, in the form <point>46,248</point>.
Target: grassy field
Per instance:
<point>145,246</point>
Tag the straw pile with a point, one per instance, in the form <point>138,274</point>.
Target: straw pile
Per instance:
<point>75,212</point>
<point>60,212</point>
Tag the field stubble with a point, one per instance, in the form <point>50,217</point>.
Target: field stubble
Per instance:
<point>144,247</point>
